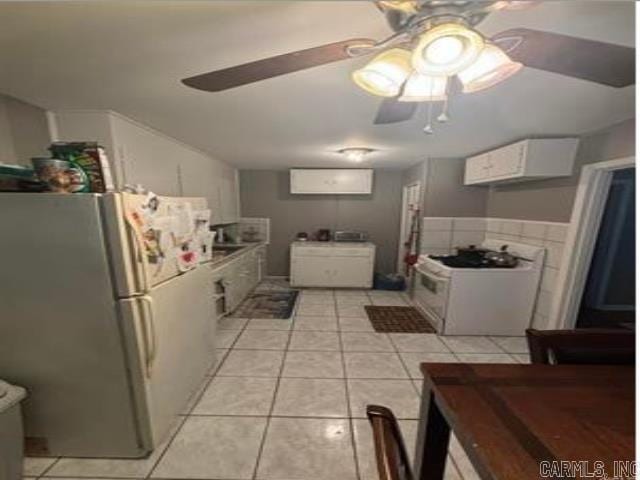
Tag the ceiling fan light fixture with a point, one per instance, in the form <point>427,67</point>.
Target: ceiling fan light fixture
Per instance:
<point>492,67</point>
<point>446,49</point>
<point>355,154</point>
<point>385,74</point>
<point>424,88</point>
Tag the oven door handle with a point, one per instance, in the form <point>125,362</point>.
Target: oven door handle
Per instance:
<point>432,276</point>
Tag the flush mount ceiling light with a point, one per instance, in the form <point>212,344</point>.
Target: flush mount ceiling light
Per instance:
<point>492,67</point>
<point>424,88</point>
<point>386,73</point>
<point>355,154</point>
<point>446,49</point>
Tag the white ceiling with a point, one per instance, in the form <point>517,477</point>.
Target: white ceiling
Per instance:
<point>130,56</point>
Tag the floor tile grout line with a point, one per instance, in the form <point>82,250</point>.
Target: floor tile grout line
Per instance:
<point>352,432</point>
<point>166,448</point>
<point>275,391</point>
<point>48,469</point>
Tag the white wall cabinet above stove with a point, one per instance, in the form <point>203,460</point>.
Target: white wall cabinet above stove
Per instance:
<point>531,159</point>
<point>332,264</point>
<point>344,181</point>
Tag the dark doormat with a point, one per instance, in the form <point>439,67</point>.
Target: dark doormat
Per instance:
<point>274,304</point>
<point>398,320</point>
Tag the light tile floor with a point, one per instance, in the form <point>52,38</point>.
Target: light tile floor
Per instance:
<point>286,398</point>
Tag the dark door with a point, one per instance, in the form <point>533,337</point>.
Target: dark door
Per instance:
<point>608,300</point>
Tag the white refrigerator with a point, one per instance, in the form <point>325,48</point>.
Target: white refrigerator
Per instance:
<point>105,325</point>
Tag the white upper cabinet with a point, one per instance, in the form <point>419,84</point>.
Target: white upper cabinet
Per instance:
<point>229,195</point>
<point>531,159</point>
<point>140,155</point>
<point>345,181</point>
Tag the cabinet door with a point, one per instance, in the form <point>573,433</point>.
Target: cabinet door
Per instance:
<point>351,271</point>
<point>352,181</point>
<point>331,181</point>
<point>506,161</point>
<point>476,168</point>
<point>229,196</point>
<point>312,181</point>
<point>262,263</point>
<point>311,272</point>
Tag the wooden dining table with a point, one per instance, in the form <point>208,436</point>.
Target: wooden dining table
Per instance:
<point>520,422</point>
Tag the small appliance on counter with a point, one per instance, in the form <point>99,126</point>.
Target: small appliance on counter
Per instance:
<point>323,235</point>
<point>350,236</point>
<point>302,237</point>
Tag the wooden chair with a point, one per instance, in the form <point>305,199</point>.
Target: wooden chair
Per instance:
<point>581,347</point>
<point>391,453</point>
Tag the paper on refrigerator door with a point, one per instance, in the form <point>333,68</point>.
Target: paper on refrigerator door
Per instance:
<point>183,224</point>
<point>166,237</point>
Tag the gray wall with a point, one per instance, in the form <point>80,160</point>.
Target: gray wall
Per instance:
<point>265,193</point>
<point>443,192</point>
<point>552,200</point>
<point>23,131</point>
<point>447,196</point>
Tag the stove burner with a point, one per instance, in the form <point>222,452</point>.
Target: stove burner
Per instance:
<point>466,261</point>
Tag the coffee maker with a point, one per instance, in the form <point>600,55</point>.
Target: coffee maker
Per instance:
<point>323,235</point>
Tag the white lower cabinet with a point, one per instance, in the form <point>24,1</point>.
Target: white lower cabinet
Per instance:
<point>237,279</point>
<point>332,265</point>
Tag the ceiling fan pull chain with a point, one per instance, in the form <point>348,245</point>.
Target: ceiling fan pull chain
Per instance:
<point>444,115</point>
<point>428,129</point>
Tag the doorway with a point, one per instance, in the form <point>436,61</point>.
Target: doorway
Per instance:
<point>598,208</point>
<point>608,299</point>
<point>411,195</point>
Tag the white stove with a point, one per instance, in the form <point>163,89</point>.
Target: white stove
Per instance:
<point>480,301</point>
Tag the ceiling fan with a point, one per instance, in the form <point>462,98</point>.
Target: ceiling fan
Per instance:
<point>435,52</point>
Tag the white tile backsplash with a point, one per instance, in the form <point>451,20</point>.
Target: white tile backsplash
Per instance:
<point>549,277</point>
<point>494,225</point>
<point>465,238</point>
<point>555,251</point>
<point>557,233</point>
<point>534,230</point>
<point>469,231</point>
<point>470,224</point>
<point>511,227</point>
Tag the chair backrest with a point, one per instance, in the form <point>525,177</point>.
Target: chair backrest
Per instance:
<point>391,453</point>
<point>581,347</point>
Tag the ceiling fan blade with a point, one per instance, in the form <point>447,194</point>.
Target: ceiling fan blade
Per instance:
<point>393,111</point>
<point>232,77</point>
<point>598,62</point>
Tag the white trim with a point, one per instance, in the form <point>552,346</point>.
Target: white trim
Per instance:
<point>52,126</point>
<point>591,196</point>
<point>403,222</point>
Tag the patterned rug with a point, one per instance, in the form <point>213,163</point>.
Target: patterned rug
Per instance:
<point>268,304</point>
<point>398,320</point>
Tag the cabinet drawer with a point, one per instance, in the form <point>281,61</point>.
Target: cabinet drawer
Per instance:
<point>350,252</point>
<point>311,251</point>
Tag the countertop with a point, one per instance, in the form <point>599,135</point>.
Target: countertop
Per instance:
<point>331,244</point>
<point>218,262</point>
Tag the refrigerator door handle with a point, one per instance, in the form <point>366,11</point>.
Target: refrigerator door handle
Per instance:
<point>151,345</point>
<point>141,266</point>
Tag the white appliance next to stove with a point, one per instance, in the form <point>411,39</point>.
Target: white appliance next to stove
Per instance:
<point>480,301</point>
